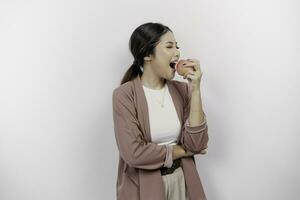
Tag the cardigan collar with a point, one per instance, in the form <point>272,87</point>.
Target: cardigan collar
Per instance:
<point>142,106</point>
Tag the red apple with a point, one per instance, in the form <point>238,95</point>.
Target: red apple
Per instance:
<point>181,69</point>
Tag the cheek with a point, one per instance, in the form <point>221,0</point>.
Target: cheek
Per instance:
<point>163,56</point>
<point>167,52</point>
<point>164,53</point>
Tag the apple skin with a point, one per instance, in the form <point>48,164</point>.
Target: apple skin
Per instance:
<point>181,69</point>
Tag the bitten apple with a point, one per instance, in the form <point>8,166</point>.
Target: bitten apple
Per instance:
<point>181,69</point>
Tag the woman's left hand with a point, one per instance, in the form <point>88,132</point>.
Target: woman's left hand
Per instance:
<point>193,77</point>
<point>189,153</point>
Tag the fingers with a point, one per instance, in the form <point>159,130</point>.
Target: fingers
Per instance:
<point>189,153</point>
<point>204,151</point>
<point>194,61</point>
<point>187,73</point>
<point>190,77</point>
<point>195,68</point>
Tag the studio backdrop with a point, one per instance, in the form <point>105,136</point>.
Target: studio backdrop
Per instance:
<point>60,61</point>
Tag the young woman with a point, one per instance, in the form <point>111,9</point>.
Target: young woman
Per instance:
<point>159,123</point>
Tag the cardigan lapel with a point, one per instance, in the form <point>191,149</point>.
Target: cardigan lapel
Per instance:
<point>142,105</point>
<point>142,108</point>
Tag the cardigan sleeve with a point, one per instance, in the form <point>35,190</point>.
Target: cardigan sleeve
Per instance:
<point>133,148</point>
<point>194,138</point>
<point>169,156</point>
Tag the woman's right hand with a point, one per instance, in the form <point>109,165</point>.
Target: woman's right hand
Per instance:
<point>178,152</point>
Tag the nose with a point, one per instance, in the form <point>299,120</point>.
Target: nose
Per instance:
<point>177,54</point>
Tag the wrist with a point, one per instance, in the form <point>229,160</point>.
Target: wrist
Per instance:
<point>178,152</point>
<point>194,86</point>
<point>196,91</point>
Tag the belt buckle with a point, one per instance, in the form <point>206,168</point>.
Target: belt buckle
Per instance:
<point>170,170</point>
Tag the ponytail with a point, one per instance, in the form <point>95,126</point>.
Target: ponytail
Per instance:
<point>133,71</point>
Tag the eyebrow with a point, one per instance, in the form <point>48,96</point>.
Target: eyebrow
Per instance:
<point>170,42</point>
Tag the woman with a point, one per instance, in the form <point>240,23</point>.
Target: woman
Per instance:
<point>159,123</point>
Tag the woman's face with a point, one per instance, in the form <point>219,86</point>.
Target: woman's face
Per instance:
<point>165,52</point>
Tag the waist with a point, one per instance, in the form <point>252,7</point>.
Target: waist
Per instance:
<point>170,170</point>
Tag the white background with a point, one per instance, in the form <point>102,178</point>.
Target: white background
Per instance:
<point>60,61</point>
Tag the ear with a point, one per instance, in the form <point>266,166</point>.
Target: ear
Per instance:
<point>148,58</point>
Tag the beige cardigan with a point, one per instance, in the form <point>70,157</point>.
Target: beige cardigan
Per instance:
<point>139,177</point>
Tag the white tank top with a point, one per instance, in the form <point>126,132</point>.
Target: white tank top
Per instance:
<point>164,122</point>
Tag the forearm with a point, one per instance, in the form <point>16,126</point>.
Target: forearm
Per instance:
<point>178,152</point>
<point>195,137</point>
<point>196,116</point>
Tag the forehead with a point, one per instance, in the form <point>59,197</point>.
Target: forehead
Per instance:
<point>168,38</point>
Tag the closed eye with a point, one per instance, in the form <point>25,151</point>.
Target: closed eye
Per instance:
<point>176,47</point>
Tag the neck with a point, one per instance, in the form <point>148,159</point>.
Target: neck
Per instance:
<point>153,82</point>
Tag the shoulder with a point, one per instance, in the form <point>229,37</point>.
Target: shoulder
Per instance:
<point>123,99</point>
<point>124,91</point>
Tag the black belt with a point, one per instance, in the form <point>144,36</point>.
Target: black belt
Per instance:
<point>175,165</point>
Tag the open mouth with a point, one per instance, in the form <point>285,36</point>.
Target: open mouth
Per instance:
<point>172,65</point>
